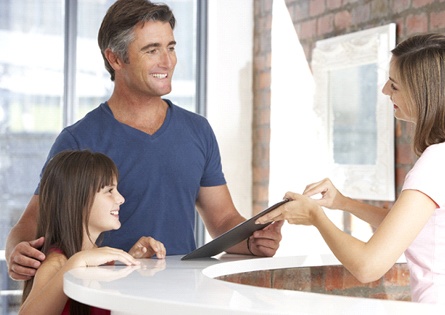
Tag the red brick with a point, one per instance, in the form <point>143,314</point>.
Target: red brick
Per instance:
<point>400,177</point>
<point>260,173</point>
<point>261,191</point>
<point>398,275</point>
<point>333,4</point>
<point>361,14</point>
<point>267,6</point>
<point>333,278</point>
<point>342,20</point>
<point>416,24</point>
<point>349,281</point>
<point>379,8</point>
<point>325,24</point>
<point>308,29</point>
<point>317,279</point>
<point>421,3</point>
<point>400,5</point>
<point>298,10</point>
<point>398,131</point>
<point>298,279</point>
<point>316,7</point>
<point>437,20</point>
<point>262,118</point>
<point>400,28</point>
<point>264,80</point>
<point>257,278</point>
<point>404,153</point>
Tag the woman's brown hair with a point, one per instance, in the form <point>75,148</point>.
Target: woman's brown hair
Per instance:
<point>420,62</point>
<point>67,191</point>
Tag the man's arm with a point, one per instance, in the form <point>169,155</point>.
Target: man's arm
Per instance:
<point>22,254</point>
<point>219,214</point>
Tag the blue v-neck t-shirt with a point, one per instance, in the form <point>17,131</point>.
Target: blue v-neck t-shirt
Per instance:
<point>159,175</point>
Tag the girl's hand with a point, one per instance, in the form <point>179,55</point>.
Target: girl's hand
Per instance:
<point>102,255</point>
<point>146,247</point>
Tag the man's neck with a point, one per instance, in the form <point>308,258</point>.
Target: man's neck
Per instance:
<point>146,114</point>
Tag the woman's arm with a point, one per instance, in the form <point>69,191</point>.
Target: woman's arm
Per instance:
<point>331,198</point>
<point>367,261</point>
<point>370,261</point>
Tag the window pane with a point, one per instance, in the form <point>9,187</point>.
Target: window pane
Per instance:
<point>93,84</point>
<point>31,94</point>
<point>31,66</point>
<point>31,87</point>
<point>184,82</point>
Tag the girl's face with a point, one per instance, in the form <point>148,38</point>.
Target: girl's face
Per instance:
<point>104,214</point>
<point>396,93</point>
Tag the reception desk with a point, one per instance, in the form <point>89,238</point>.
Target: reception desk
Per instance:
<point>172,286</point>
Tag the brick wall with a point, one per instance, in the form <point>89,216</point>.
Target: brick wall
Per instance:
<point>320,19</point>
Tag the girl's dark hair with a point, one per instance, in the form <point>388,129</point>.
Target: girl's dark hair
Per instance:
<point>420,62</point>
<point>116,30</point>
<point>67,191</point>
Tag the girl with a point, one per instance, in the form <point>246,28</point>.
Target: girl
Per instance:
<point>78,201</point>
<point>416,223</point>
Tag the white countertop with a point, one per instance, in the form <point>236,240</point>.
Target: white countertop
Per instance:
<point>172,286</point>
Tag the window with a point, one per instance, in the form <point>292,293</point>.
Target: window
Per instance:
<point>42,41</point>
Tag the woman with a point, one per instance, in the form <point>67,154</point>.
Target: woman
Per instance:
<point>79,200</point>
<point>416,223</point>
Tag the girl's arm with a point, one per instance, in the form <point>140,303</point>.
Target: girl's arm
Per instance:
<point>47,296</point>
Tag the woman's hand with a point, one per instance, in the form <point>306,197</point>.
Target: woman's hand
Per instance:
<point>299,210</point>
<point>146,247</point>
<point>330,196</point>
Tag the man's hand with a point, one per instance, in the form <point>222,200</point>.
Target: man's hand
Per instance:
<point>265,242</point>
<point>25,259</point>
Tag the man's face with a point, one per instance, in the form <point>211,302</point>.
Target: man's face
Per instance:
<point>152,59</point>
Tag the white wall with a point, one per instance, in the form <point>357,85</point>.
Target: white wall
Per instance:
<point>229,98</point>
<point>296,156</point>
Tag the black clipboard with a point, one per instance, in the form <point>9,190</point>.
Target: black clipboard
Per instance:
<point>231,237</point>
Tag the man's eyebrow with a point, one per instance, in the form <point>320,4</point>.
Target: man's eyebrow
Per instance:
<point>156,45</point>
<point>151,45</point>
<point>392,80</point>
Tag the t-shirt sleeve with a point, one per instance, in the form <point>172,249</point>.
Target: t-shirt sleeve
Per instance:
<point>428,174</point>
<point>213,175</point>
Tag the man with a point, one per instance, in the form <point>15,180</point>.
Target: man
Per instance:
<point>168,158</point>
